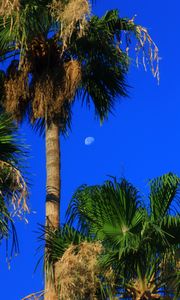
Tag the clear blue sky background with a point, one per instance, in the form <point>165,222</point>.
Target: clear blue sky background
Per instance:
<point>141,141</point>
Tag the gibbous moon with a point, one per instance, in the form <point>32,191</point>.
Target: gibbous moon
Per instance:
<point>89,140</point>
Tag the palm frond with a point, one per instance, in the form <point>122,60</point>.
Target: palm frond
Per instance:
<point>112,213</point>
<point>57,242</point>
<point>13,187</point>
<point>68,246</point>
<point>164,192</point>
<point>18,29</point>
<point>104,67</point>
<point>171,225</point>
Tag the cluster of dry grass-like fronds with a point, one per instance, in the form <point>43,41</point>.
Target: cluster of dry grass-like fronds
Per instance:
<point>145,45</point>
<point>71,16</point>
<point>7,7</point>
<point>17,187</point>
<point>50,91</point>
<point>16,91</point>
<point>151,55</point>
<point>76,272</point>
<point>71,79</point>
<point>35,296</point>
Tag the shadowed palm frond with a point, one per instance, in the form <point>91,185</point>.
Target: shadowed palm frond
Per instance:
<point>164,195</point>
<point>13,187</point>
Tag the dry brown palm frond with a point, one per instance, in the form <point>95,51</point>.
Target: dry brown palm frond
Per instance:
<point>151,55</point>
<point>43,102</point>
<point>76,272</point>
<point>17,187</point>
<point>72,78</point>
<point>35,296</point>
<point>54,81</point>
<point>7,7</point>
<point>39,49</point>
<point>146,46</point>
<point>56,9</point>
<point>51,91</point>
<point>71,16</point>
<point>16,92</point>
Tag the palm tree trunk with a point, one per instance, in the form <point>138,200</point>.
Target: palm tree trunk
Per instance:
<point>53,176</point>
<point>52,191</point>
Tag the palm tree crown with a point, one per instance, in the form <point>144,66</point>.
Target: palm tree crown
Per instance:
<point>59,52</point>
<point>141,241</point>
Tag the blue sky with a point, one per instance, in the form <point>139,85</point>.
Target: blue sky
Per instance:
<point>141,140</point>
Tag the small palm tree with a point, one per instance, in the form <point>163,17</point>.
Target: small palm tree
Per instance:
<point>13,188</point>
<point>62,52</point>
<point>141,243</point>
<point>79,274</point>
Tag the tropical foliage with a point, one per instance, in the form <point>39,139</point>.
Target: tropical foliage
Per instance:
<point>139,257</point>
<point>13,187</point>
<point>57,51</point>
<point>59,48</point>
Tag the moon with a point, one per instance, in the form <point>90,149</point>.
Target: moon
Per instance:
<point>89,140</point>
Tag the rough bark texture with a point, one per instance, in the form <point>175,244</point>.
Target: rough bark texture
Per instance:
<point>52,191</point>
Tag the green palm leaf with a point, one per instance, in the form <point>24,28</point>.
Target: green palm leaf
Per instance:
<point>13,188</point>
<point>164,192</point>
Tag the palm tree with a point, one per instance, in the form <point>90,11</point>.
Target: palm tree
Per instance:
<point>62,52</point>
<point>141,242</point>
<point>13,188</point>
<point>76,258</point>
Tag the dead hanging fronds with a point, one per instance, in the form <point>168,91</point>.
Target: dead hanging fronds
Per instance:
<point>17,190</point>
<point>54,81</point>
<point>76,272</point>
<point>43,100</point>
<point>8,8</point>
<point>38,48</point>
<point>35,296</point>
<point>16,92</point>
<point>72,78</point>
<point>51,91</point>
<point>146,46</point>
<point>150,52</point>
<point>72,18</point>
<point>56,9</point>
